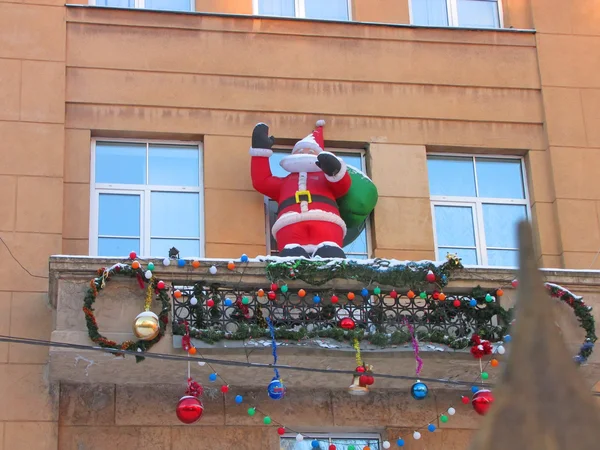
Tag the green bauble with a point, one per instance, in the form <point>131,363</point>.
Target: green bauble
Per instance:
<point>357,204</point>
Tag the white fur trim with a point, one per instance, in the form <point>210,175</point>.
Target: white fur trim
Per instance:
<point>261,152</point>
<point>315,214</point>
<point>320,123</point>
<point>338,176</point>
<point>299,163</point>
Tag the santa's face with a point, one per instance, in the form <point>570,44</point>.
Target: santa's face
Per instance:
<point>302,160</point>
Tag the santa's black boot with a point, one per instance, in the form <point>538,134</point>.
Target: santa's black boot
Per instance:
<point>295,252</point>
<point>329,251</point>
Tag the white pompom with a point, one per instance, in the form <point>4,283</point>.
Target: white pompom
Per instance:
<point>299,437</point>
<point>451,411</point>
<point>417,435</point>
<point>386,444</point>
<point>320,123</point>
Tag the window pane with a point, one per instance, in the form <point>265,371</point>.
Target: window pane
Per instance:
<point>499,178</point>
<point>276,8</point>
<point>175,214</point>
<point>468,256</point>
<point>173,165</point>
<point>324,443</point>
<point>116,3</point>
<point>120,163</point>
<point>451,176</point>
<point>358,247</point>
<point>169,5</point>
<point>188,248</point>
<point>429,12</point>
<point>117,247</point>
<point>454,226</point>
<point>329,9</point>
<point>119,215</point>
<point>506,258</point>
<point>500,222</point>
<point>478,13</point>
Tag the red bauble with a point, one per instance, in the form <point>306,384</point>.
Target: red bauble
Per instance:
<point>430,276</point>
<point>347,323</point>
<point>363,380</point>
<point>280,431</point>
<point>189,409</point>
<point>272,295</point>
<point>456,303</point>
<point>334,299</point>
<point>360,369</point>
<point>160,285</point>
<point>332,447</point>
<point>393,294</point>
<point>515,283</point>
<point>465,400</point>
<point>225,389</point>
<point>132,255</point>
<point>210,303</point>
<point>370,380</point>
<point>436,295</point>
<point>274,286</point>
<point>482,400</point>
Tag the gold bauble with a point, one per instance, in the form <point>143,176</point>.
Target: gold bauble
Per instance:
<point>146,326</point>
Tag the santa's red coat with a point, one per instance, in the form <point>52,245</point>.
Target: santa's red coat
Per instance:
<point>281,189</point>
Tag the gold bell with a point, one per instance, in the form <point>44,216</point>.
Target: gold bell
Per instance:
<point>355,388</point>
<point>146,326</point>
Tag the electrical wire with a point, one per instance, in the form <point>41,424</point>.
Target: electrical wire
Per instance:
<point>19,262</point>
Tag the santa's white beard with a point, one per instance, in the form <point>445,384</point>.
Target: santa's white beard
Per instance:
<point>302,162</point>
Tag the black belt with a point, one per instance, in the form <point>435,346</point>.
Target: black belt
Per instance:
<point>305,196</point>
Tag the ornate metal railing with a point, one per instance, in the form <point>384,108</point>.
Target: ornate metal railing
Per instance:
<point>219,311</point>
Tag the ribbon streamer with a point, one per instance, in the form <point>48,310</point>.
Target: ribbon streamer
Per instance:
<point>415,345</point>
<point>356,345</point>
<point>273,346</point>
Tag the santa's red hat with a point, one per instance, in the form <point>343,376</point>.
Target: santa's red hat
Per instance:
<point>314,140</point>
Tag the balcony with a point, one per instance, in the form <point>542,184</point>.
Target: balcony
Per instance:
<point>317,311</point>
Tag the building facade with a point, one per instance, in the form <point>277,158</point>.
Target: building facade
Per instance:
<point>126,126</point>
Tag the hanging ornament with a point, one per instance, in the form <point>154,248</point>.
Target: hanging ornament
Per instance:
<point>472,302</point>
<point>210,303</point>
<point>284,288</point>
<point>499,293</point>
<point>332,447</point>
<point>515,283</point>
<point>423,295</point>
<point>431,427</point>
<point>193,301</point>
<point>465,400</point>
<point>132,255</point>
<point>347,323</point>
<point>442,297</point>
<point>400,442</point>
<point>148,274</point>
<point>364,292</point>
<point>456,303</point>
<point>212,377</point>
<point>190,408</point>
<point>150,266</point>
<point>146,325</point>
<point>166,262</point>
<point>410,294</point>
<point>271,295</point>
<point>160,285</point>
<point>195,264</point>
<point>494,363</point>
<point>501,350</point>
<point>274,286</point>
<point>419,390</point>
<point>436,295</point>
<point>276,388</point>
<point>451,411</point>
<point>351,296</point>
<point>394,295</point>
<point>267,420</point>
<point>443,418</point>
<point>224,389</point>
<point>251,411</point>
<point>135,265</point>
<point>416,435</point>
<point>227,302</point>
<point>231,265</point>
<point>239,399</point>
<point>244,258</point>
<point>482,400</point>
<point>430,276</point>
<point>213,270</point>
<point>386,444</point>
<point>301,293</point>
<point>316,299</point>
<point>181,262</point>
<point>299,438</point>
<point>280,431</point>
<point>177,293</point>
<point>480,347</point>
<point>314,444</point>
<point>377,290</point>
<point>334,299</point>
<point>489,298</point>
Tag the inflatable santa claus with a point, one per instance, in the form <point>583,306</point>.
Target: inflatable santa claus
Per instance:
<point>309,222</point>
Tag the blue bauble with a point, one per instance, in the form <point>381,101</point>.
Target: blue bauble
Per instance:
<point>316,299</point>
<point>315,444</point>
<point>507,338</point>
<point>431,427</point>
<point>239,399</point>
<point>276,389</point>
<point>474,389</point>
<point>419,390</point>
<point>227,302</point>
<point>472,302</point>
<point>400,442</point>
<point>212,377</point>
<point>244,258</point>
<point>181,262</point>
<point>364,292</point>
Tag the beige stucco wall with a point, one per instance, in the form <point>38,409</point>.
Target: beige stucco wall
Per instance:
<point>67,74</point>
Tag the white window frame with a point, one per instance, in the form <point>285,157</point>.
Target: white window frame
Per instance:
<point>141,4</point>
<point>476,204</point>
<point>363,162</point>
<point>300,10</point>
<point>144,191</point>
<point>324,436</point>
<point>452,9</point>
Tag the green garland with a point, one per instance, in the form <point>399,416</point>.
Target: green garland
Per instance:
<point>380,271</point>
<point>96,285</point>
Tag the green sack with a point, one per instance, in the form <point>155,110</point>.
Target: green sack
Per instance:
<point>357,204</point>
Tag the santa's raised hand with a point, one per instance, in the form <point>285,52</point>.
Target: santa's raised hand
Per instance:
<point>261,138</point>
<point>328,163</point>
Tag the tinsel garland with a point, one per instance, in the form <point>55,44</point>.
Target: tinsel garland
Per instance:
<point>97,284</point>
<point>380,271</point>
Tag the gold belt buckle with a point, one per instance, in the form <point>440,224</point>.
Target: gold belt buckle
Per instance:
<point>307,193</point>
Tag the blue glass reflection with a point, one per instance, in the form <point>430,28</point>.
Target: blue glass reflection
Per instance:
<point>478,13</point>
<point>116,3</point>
<point>171,165</point>
<point>500,222</point>
<point>329,10</point>
<point>454,226</point>
<point>283,8</point>
<point>433,13</point>
<point>451,176</point>
<point>118,215</point>
<point>117,246</point>
<point>500,178</point>
<point>120,163</point>
<point>188,248</point>
<point>169,5</point>
<point>504,258</point>
<point>175,214</point>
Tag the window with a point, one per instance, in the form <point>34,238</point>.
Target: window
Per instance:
<point>357,249</point>
<point>146,197</point>
<point>457,13</point>
<point>309,9</point>
<point>476,205</point>
<point>289,442</point>
<point>164,5</point>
